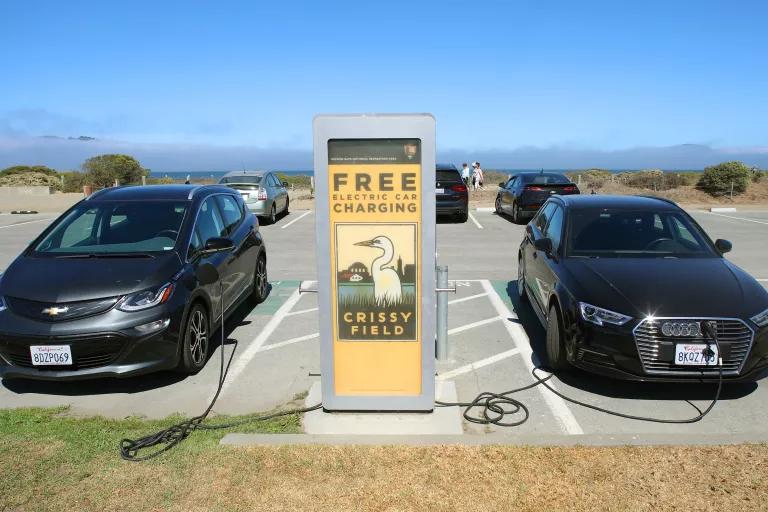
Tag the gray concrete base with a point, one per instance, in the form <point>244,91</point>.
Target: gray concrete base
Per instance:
<point>442,421</point>
<point>496,438</point>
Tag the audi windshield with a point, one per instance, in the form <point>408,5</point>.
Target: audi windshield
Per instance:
<point>606,233</point>
<point>114,228</point>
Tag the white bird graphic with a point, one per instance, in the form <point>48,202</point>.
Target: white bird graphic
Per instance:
<point>386,282</point>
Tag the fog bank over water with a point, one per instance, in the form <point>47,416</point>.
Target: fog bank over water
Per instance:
<point>62,153</point>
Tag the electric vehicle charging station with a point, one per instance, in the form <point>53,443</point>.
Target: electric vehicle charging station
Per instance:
<point>375,231</point>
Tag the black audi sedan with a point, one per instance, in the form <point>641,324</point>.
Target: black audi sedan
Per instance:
<point>522,195</point>
<point>632,287</point>
<point>451,195</point>
<point>110,288</point>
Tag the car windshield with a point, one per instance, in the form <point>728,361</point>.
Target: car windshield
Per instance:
<point>613,233</point>
<point>255,180</point>
<point>130,227</point>
<point>545,179</point>
<point>448,176</point>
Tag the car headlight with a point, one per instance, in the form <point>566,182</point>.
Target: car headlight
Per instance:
<point>147,298</point>
<point>761,319</point>
<point>600,316</point>
<point>3,306</point>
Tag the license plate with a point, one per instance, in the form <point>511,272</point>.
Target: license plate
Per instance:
<point>439,191</point>
<point>53,355</point>
<point>245,195</point>
<point>693,354</point>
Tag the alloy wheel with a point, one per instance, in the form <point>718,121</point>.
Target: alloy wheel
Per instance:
<point>261,278</point>
<point>198,338</point>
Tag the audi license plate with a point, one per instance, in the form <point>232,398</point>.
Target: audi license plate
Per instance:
<point>50,355</point>
<point>695,354</point>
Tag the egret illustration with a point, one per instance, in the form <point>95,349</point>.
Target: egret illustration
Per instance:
<point>386,282</point>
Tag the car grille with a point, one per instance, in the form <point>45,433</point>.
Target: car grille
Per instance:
<point>88,351</point>
<point>65,310</point>
<point>656,350</point>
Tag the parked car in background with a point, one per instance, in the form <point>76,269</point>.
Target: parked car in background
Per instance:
<point>264,194</point>
<point>110,288</point>
<point>632,287</point>
<point>522,195</point>
<point>451,192</point>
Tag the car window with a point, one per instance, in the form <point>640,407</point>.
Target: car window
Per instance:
<point>541,219</point>
<point>448,176</point>
<point>682,232</point>
<point>554,229</point>
<point>195,244</point>
<point>273,181</point>
<point>253,180</point>
<point>511,183</point>
<point>230,212</point>
<point>209,221</point>
<point>545,179</point>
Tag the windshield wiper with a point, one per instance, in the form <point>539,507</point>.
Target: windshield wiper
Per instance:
<point>105,255</point>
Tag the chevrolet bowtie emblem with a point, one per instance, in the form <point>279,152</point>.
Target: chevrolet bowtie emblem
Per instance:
<point>55,310</point>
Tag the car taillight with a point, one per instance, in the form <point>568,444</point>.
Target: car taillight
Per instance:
<point>459,188</point>
<point>534,189</point>
<point>570,188</point>
<point>262,195</point>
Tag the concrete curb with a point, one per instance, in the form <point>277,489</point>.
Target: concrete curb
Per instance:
<point>497,438</point>
<point>723,209</point>
<point>485,209</point>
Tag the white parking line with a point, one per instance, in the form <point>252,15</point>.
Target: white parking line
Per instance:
<point>762,279</point>
<point>290,342</point>
<point>301,311</point>
<point>464,299</point>
<point>738,218</point>
<point>251,350</point>
<point>479,226</point>
<point>466,327</point>
<point>461,370</point>
<point>22,223</point>
<point>297,219</point>
<point>557,405</point>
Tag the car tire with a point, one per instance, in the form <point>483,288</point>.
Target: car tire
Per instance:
<point>556,355</point>
<point>272,215</point>
<point>287,201</point>
<point>260,281</point>
<point>497,204</point>
<point>195,341</point>
<point>463,216</point>
<point>521,293</point>
<point>515,213</point>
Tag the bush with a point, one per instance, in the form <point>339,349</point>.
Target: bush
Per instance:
<point>22,169</point>
<point>717,180</point>
<point>73,181</point>
<point>591,178</point>
<point>104,170</point>
<point>30,179</point>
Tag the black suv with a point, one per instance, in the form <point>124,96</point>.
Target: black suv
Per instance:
<point>451,192</point>
<point>110,288</point>
<point>523,194</point>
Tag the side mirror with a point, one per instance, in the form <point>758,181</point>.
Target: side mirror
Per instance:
<point>502,185</point>
<point>723,246</point>
<point>285,183</point>
<point>214,245</point>
<point>544,245</point>
<point>207,273</point>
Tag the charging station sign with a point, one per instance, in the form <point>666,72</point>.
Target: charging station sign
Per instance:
<point>375,235</point>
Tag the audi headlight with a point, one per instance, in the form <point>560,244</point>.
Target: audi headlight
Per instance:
<point>761,319</point>
<point>600,316</point>
<point>147,298</point>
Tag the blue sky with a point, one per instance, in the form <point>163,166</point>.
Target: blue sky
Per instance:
<point>589,77</point>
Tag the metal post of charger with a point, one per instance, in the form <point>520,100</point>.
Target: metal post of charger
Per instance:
<point>441,349</point>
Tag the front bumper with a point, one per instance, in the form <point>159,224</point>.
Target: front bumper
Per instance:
<point>614,352</point>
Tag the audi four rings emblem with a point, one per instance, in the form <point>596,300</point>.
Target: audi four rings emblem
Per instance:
<point>690,329</point>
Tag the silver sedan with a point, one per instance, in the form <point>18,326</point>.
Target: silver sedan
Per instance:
<point>262,192</point>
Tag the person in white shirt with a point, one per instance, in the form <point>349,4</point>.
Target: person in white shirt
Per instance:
<point>465,173</point>
<point>477,176</point>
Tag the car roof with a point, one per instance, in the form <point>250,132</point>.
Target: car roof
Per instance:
<point>587,201</point>
<point>445,167</point>
<point>156,192</point>
<point>245,173</point>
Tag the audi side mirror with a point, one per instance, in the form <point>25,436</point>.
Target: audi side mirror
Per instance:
<point>207,273</point>
<point>723,246</point>
<point>216,244</point>
<point>544,245</point>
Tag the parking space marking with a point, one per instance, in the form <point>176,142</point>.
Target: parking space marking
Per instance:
<point>22,223</point>
<point>297,219</point>
<point>301,311</point>
<point>557,405</point>
<point>251,350</point>
<point>290,342</point>
<point>461,370</point>
<point>762,279</point>
<point>466,327</point>
<point>479,226</point>
<point>738,218</point>
<point>465,299</point>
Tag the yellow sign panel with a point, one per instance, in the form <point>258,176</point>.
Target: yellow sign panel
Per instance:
<point>375,224</point>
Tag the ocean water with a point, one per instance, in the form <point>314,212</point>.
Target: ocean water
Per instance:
<point>214,175</point>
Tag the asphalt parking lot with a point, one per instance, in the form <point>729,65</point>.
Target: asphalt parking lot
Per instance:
<point>493,341</point>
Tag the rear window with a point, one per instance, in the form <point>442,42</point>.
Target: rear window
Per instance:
<point>255,180</point>
<point>545,179</point>
<point>448,176</point>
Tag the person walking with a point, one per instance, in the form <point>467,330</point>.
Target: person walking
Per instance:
<point>465,173</point>
<point>477,176</point>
